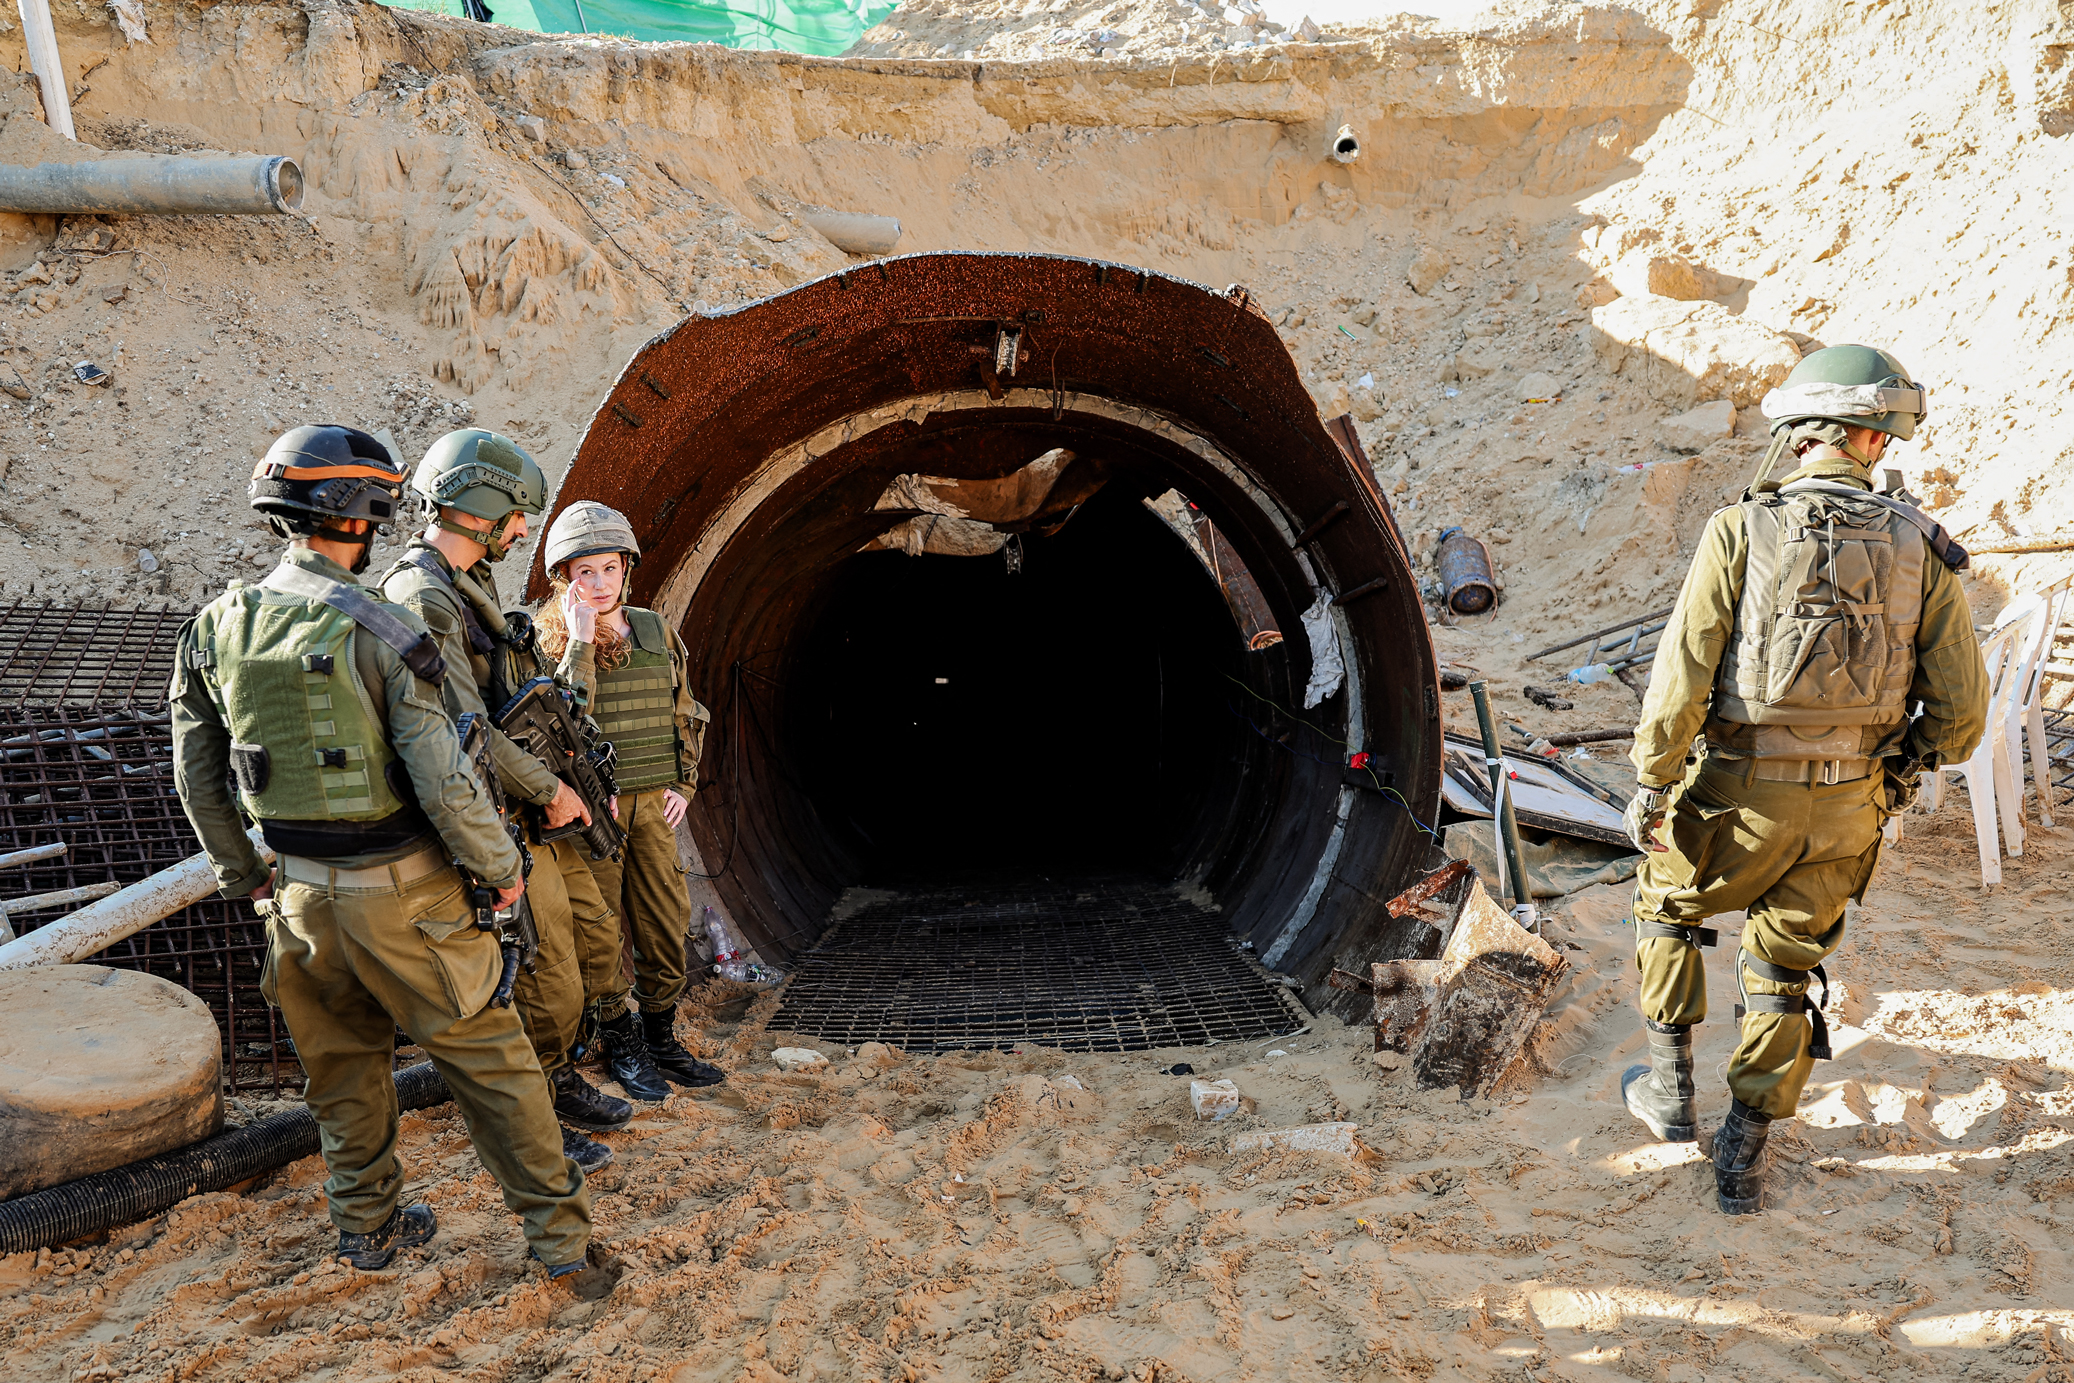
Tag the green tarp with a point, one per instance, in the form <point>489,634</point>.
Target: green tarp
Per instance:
<point>824,27</point>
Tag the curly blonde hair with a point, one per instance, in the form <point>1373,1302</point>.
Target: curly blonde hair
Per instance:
<point>610,648</point>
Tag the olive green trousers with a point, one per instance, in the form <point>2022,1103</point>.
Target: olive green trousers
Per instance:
<point>646,885</point>
<point>550,999</point>
<point>347,967</point>
<point>1791,855</point>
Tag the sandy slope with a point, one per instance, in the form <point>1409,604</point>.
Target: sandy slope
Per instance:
<point>455,269</point>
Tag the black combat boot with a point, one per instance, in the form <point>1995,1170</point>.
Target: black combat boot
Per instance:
<point>406,1228</point>
<point>1661,1094</point>
<point>626,1057</point>
<point>671,1058</point>
<point>587,1153</point>
<point>1739,1159</point>
<point>580,1104</point>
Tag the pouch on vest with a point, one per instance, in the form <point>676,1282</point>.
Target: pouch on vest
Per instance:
<point>252,767</point>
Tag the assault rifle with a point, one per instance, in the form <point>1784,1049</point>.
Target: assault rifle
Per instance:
<point>539,720</point>
<point>516,933</point>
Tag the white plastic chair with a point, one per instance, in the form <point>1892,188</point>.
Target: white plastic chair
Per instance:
<point>1989,781</point>
<point>2027,709</point>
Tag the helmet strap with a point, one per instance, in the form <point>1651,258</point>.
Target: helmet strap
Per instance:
<point>493,538</point>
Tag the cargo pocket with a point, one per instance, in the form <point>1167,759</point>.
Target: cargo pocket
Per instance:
<point>268,985</point>
<point>1699,819</point>
<point>466,959</point>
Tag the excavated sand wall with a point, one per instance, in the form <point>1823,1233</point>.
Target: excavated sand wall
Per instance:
<point>1661,204</point>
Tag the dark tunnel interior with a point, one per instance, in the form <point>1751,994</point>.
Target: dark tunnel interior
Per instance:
<point>1075,715</point>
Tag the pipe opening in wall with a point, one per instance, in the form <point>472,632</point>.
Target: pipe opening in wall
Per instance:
<point>1043,618</point>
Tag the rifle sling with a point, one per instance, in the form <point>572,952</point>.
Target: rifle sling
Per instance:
<point>419,651</point>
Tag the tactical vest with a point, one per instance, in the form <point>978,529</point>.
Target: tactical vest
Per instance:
<point>307,743</point>
<point>1824,645</point>
<point>635,706</point>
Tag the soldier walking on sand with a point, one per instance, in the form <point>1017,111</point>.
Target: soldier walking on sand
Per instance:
<point>483,488</point>
<point>322,701</point>
<point>1823,655</point>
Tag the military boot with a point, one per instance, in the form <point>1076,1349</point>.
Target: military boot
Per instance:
<point>1660,1094</point>
<point>1739,1159</point>
<point>587,1153</point>
<point>671,1058</point>
<point>580,1104</point>
<point>626,1057</point>
<point>406,1228</point>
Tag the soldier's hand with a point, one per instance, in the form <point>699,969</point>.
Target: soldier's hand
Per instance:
<point>673,807</point>
<point>566,807</point>
<point>1645,812</point>
<point>580,619</point>
<point>264,891</point>
<point>508,898</point>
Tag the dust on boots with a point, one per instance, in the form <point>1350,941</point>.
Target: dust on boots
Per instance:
<point>628,1060</point>
<point>1661,1093</point>
<point>406,1228</point>
<point>1739,1159</point>
<point>671,1057</point>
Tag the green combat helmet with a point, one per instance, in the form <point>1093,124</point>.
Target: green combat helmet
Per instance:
<point>484,475</point>
<point>1839,387</point>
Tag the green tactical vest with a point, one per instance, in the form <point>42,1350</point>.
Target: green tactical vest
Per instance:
<point>1824,645</point>
<point>307,743</point>
<point>635,707</point>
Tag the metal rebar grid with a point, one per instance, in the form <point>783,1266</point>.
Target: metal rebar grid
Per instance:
<point>100,779</point>
<point>2059,748</point>
<point>85,655</point>
<point>1103,965</point>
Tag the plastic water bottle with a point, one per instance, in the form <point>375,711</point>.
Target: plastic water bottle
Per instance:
<point>727,948</point>
<point>1590,673</point>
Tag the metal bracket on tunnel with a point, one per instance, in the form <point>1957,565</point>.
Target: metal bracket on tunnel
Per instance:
<point>1338,510</point>
<point>1367,588</point>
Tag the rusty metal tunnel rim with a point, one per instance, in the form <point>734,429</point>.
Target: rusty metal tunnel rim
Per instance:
<point>729,427</point>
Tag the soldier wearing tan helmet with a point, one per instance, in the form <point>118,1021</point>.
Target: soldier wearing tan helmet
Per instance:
<point>634,664</point>
<point>1821,655</point>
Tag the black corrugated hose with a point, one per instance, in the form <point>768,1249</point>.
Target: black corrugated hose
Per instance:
<point>122,1195</point>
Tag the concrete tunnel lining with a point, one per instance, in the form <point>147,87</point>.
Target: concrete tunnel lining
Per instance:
<point>747,447</point>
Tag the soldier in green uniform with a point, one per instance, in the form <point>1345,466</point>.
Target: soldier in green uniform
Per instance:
<point>483,488</point>
<point>634,666</point>
<point>1822,655</point>
<point>323,703</point>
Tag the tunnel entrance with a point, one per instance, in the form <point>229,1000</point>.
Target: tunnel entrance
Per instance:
<point>1068,717</point>
<point>1104,713</point>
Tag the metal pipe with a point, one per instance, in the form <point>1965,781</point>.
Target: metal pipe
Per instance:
<point>156,187</point>
<point>32,854</point>
<point>1501,797</point>
<point>854,232</point>
<point>98,926</point>
<point>1599,634</point>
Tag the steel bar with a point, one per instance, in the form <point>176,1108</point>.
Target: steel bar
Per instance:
<point>266,186</point>
<point>1564,741</point>
<point>1599,634</point>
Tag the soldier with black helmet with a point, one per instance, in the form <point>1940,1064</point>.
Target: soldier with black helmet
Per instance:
<point>483,488</point>
<point>1821,655</point>
<point>314,707</point>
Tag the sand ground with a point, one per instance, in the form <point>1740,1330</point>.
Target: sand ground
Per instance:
<point>1650,205</point>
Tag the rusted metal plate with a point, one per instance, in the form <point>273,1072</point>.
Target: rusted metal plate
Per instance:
<point>1159,377</point>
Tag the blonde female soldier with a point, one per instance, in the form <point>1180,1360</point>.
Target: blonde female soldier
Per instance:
<point>632,665</point>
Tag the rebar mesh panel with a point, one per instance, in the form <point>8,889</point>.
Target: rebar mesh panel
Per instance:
<point>1112,965</point>
<point>85,655</point>
<point>101,780</point>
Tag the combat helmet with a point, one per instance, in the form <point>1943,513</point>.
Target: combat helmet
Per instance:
<point>587,528</point>
<point>484,475</point>
<point>1841,387</point>
<point>316,475</point>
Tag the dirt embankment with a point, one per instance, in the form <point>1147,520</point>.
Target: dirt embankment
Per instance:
<point>1653,209</point>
